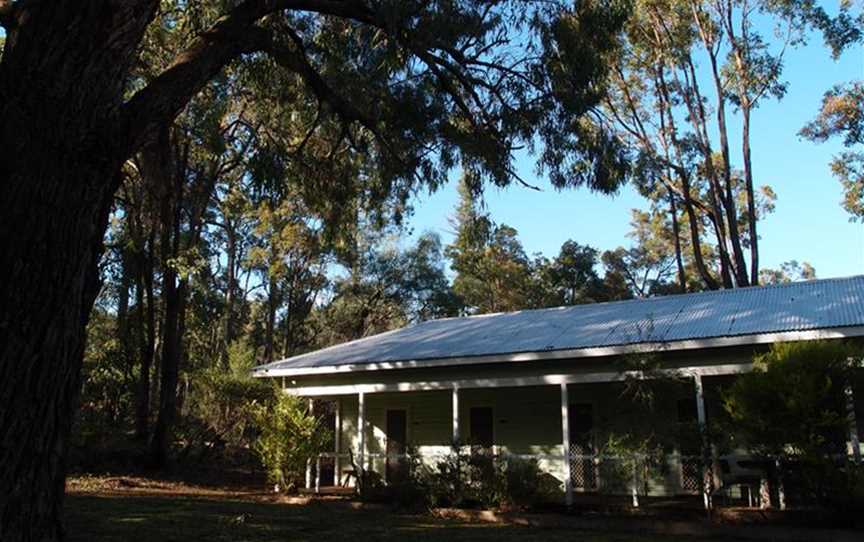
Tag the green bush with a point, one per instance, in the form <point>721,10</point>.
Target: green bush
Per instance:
<point>289,436</point>
<point>222,414</point>
<point>793,407</point>
<point>480,480</point>
<point>527,486</point>
<point>628,459</point>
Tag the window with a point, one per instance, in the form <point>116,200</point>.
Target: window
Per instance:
<point>481,427</point>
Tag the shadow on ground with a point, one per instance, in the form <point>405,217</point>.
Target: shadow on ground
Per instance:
<point>103,518</point>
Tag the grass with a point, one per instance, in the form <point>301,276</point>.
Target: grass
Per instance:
<point>182,518</point>
<point>128,509</point>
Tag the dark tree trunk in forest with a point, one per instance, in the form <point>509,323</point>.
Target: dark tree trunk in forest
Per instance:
<point>147,335</point>
<point>66,130</point>
<point>173,294</point>
<point>168,169</point>
<point>161,172</point>
<point>230,286</point>
<point>270,328</point>
<point>44,312</point>
<point>126,273</point>
<point>61,83</point>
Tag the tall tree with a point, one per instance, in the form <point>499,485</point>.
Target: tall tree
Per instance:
<point>439,82</point>
<point>570,278</point>
<point>493,273</point>
<point>388,287</point>
<point>661,109</point>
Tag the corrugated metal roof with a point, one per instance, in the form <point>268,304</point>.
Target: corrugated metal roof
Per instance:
<point>800,306</point>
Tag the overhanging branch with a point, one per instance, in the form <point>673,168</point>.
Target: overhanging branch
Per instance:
<point>229,37</point>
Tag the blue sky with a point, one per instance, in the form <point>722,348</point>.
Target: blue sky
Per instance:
<point>807,225</point>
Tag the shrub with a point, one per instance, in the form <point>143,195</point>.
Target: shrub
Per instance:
<point>480,480</point>
<point>792,407</point>
<point>627,460</point>
<point>223,413</point>
<point>289,436</point>
<point>527,486</point>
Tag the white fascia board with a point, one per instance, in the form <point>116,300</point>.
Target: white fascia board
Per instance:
<point>603,351</point>
<point>516,382</point>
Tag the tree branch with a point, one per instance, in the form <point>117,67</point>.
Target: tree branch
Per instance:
<point>230,36</point>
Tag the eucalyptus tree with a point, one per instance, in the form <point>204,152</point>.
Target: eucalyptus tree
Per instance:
<point>842,116</point>
<point>386,287</point>
<point>493,272</point>
<point>790,271</point>
<point>415,87</point>
<point>675,128</point>
<point>288,255</point>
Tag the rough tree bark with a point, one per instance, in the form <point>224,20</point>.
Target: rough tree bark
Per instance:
<point>61,83</point>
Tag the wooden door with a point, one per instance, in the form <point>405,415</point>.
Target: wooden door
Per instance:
<point>482,431</point>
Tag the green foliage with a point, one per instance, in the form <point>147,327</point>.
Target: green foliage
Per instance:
<point>789,272</point>
<point>241,358</point>
<point>224,410</point>
<point>494,274</point>
<point>478,479</point>
<point>792,404</point>
<point>630,462</point>
<point>289,436</point>
<point>107,394</point>
<point>842,116</point>
<point>388,287</point>
<point>793,407</point>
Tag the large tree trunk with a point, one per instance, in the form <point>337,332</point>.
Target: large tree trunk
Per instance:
<point>161,173</point>
<point>61,81</point>
<point>686,191</point>
<point>693,98</point>
<point>48,283</point>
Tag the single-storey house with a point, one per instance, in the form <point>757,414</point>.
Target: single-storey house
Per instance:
<point>547,383</point>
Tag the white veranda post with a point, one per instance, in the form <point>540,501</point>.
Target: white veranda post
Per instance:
<point>309,459</point>
<point>337,444</point>
<point>455,408</point>
<point>361,430</point>
<point>565,443</point>
<point>853,424</point>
